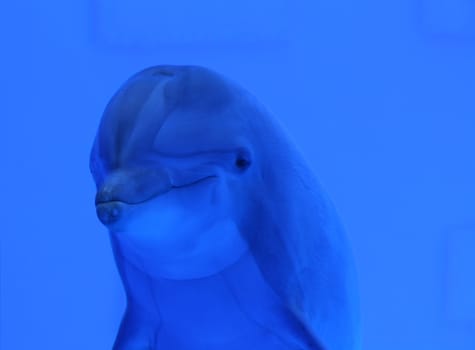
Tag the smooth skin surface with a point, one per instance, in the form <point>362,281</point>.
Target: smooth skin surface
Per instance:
<point>221,234</point>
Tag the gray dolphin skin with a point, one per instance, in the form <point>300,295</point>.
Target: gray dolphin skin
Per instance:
<point>222,236</point>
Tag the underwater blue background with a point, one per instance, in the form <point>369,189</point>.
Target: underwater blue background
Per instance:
<point>378,95</point>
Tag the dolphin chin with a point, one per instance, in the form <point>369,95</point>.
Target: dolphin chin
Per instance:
<point>110,212</point>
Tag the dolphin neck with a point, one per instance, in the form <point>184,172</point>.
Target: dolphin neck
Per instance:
<point>146,293</point>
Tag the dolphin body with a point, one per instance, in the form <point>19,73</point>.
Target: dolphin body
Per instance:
<point>221,234</point>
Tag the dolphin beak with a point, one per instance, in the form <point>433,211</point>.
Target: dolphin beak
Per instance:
<point>127,187</point>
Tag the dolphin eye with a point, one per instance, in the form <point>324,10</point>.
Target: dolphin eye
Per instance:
<point>242,162</point>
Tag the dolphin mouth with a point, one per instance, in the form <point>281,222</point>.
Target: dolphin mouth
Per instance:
<point>115,202</point>
<point>110,199</point>
<point>195,182</point>
<point>111,208</point>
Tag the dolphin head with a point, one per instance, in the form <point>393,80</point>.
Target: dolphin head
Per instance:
<point>192,172</point>
<point>169,161</point>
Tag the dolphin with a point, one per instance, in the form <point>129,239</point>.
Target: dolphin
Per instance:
<point>222,235</point>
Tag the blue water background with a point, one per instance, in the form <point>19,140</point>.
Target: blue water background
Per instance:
<point>378,95</point>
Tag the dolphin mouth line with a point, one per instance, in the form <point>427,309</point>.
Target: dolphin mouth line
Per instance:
<point>113,201</point>
<point>124,201</point>
<point>203,179</point>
